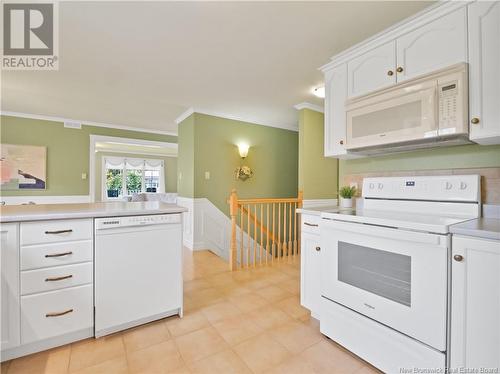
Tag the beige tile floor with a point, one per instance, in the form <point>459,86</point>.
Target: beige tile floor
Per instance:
<point>235,322</point>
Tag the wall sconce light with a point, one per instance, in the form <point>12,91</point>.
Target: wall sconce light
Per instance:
<point>243,172</point>
<point>319,92</point>
<point>243,149</point>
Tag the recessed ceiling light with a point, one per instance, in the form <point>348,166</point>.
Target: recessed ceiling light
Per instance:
<point>319,92</point>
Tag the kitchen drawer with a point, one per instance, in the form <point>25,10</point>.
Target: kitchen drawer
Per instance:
<point>43,280</point>
<point>55,254</point>
<point>55,231</point>
<point>56,313</point>
<point>310,223</point>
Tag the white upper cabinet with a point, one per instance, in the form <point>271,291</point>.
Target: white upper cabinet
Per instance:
<point>10,310</point>
<point>434,46</point>
<point>484,72</point>
<point>335,116</point>
<point>372,70</point>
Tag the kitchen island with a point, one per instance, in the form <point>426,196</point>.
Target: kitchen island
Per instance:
<point>65,267</point>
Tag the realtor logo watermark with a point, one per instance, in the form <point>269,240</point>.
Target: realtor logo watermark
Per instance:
<point>30,36</point>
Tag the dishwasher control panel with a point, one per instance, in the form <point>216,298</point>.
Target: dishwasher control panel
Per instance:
<point>158,219</point>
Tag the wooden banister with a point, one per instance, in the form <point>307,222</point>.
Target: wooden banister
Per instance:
<point>266,215</point>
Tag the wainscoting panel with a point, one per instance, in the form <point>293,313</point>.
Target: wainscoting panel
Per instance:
<point>207,228</point>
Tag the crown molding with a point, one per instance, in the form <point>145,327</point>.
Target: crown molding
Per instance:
<point>184,115</point>
<point>305,105</point>
<point>290,127</point>
<point>85,123</point>
<point>192,110</point>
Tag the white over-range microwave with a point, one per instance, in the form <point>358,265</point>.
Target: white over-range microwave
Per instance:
<point>427,111</point>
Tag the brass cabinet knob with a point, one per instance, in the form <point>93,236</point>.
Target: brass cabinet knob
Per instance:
<point>318,249</point>
<point>474,121</point>
<point>390,73</point>
<point>399,69</point>
<point>341,142</point>
<point>458,258</point>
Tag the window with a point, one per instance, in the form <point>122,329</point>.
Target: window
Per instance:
<point>152,180</point>
<point>125,176</point>
<point>114,181</point>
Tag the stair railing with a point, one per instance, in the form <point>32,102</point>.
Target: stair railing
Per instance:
<point>263,231</point>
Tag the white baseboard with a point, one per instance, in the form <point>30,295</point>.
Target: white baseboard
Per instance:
<point>71,199</point>
<point>318,202</point>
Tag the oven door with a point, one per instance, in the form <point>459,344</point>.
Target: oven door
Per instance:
<point>396,277</point>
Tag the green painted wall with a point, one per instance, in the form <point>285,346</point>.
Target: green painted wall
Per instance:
<point>459,157</point>
<point>211,143</point>
<point>317,173</point>
<point>185,162</point>
<point>170,165</point>
<point>67,151</point>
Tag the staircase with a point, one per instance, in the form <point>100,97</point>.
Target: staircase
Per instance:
<point>263,231</point>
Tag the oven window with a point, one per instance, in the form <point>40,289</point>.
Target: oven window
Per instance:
<point>383,273</point>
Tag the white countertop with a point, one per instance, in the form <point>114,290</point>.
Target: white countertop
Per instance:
<point>39,212</point>
<point>317,210</point>
<point>488,228</point>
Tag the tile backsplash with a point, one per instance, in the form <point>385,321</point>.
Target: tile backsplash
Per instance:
<point>490,179</point>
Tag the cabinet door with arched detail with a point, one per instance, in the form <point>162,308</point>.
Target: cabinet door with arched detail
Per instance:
<point>433,46</point>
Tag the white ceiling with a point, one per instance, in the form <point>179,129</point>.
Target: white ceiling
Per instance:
<point>143,64</point>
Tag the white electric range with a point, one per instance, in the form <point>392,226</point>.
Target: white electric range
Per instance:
<point>385,269</point>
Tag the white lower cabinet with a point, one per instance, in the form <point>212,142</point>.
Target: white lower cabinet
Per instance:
<point>310,287</point>
<point>10,328</point>
<point>475,308</point>
<point>47,285</point>
<point>56,313</point>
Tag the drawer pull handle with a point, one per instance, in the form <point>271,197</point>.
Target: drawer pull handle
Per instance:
<point>59,314</point>
<point>59,254</point>
<point>54,279</point>
<point>58,232</point>
<point>311,224</point>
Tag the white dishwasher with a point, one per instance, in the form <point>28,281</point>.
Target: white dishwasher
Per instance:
<point>138,270</point>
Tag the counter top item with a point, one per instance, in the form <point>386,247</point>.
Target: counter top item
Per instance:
<point>21,213</point>
<point>487,228</point>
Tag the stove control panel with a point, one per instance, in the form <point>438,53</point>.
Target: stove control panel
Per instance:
<point>433,188</point>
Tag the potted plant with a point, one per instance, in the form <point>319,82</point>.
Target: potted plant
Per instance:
<point>346,193</point>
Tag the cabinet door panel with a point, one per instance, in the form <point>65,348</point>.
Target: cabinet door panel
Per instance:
<point>436,45</point>
<point>372,70</point>
<point>10,286</point>
<point>484,71</point>
<point>310,294</point>
<point>335,118</point>
<point>475,310</point>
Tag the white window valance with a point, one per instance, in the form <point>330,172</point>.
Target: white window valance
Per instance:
<point>153,164</point>
<point>133,163</point>
<point>142,166</point>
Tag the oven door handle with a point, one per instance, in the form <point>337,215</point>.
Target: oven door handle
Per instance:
<point>387,233</point>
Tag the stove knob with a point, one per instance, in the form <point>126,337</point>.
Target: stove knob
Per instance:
<point>380,186</point>
<point>463,185</point>
<point>372,186</point>
<point>448,186</point>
